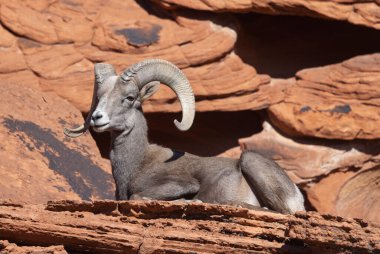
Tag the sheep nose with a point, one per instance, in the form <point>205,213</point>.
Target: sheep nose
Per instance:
<point>97,115</point>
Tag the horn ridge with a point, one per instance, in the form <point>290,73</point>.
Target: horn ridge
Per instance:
<point>167,73</point>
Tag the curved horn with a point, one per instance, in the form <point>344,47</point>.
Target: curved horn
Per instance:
<point>167,73</point>
<point>102,72</point>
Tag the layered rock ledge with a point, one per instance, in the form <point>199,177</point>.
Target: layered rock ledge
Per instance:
<point>339,101</point>
<point>56,43</point>
<point>168,227</point>
<point>354,11</point>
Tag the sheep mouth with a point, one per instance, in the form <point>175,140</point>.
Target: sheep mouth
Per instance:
<point>100,127</point>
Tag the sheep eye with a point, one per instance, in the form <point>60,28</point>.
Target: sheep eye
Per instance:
<point>129,98</point>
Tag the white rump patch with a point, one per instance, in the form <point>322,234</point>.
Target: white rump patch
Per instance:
<point>296,203</point>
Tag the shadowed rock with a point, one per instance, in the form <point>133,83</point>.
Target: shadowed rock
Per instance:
<point>37,161</point>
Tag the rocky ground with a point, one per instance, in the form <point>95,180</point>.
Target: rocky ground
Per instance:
<point>167,227</point>
<point>301,86</point>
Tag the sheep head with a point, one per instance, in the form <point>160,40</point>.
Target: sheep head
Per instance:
<point>116,99</point>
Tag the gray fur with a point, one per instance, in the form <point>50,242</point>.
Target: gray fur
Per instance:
<point>143,170</point>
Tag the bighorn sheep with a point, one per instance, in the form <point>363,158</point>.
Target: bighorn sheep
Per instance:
<point>143,170</point>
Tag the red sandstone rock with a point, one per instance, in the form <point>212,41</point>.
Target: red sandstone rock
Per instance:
<point>347,193</point>
<point>353,11</point>
<point>7,39</point>
<point>338,101</point>
<point>168,227</point>
<point>60,41</point>
<point>22,79</point>
<point>323,195</point>
<point>38,163</point>
<point>238,88</point>
<point>360,195</point>
<point>339,177</point>
<point>47,21</point>
<point>6,248</point>
<point>54,45</point>
<point>307,159</point>
<point>234,152</point>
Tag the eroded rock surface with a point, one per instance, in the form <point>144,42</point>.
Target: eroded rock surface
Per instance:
<point>60,41</point>
<point>170,227</point>
<point>38,163</point>
<point>339,177</point>
<point>340,101</point>
<point>7,248</point>
<point>54,44</point>
<point>353,11</point>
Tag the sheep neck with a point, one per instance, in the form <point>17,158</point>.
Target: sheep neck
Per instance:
<point>127,155</point>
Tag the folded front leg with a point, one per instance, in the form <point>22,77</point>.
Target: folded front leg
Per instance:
<point>170,190</point>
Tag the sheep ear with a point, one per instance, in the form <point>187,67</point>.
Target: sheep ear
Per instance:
<point>149,89</point>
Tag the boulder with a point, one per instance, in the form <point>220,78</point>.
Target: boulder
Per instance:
<point>339,101</point>
<point>38,163</point>
<point>353,11</point>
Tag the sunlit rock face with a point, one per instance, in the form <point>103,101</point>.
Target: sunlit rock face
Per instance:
<point>304,87</point>
<point>174,227</point>
<point>60,41</point>
<point>38,163</point>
